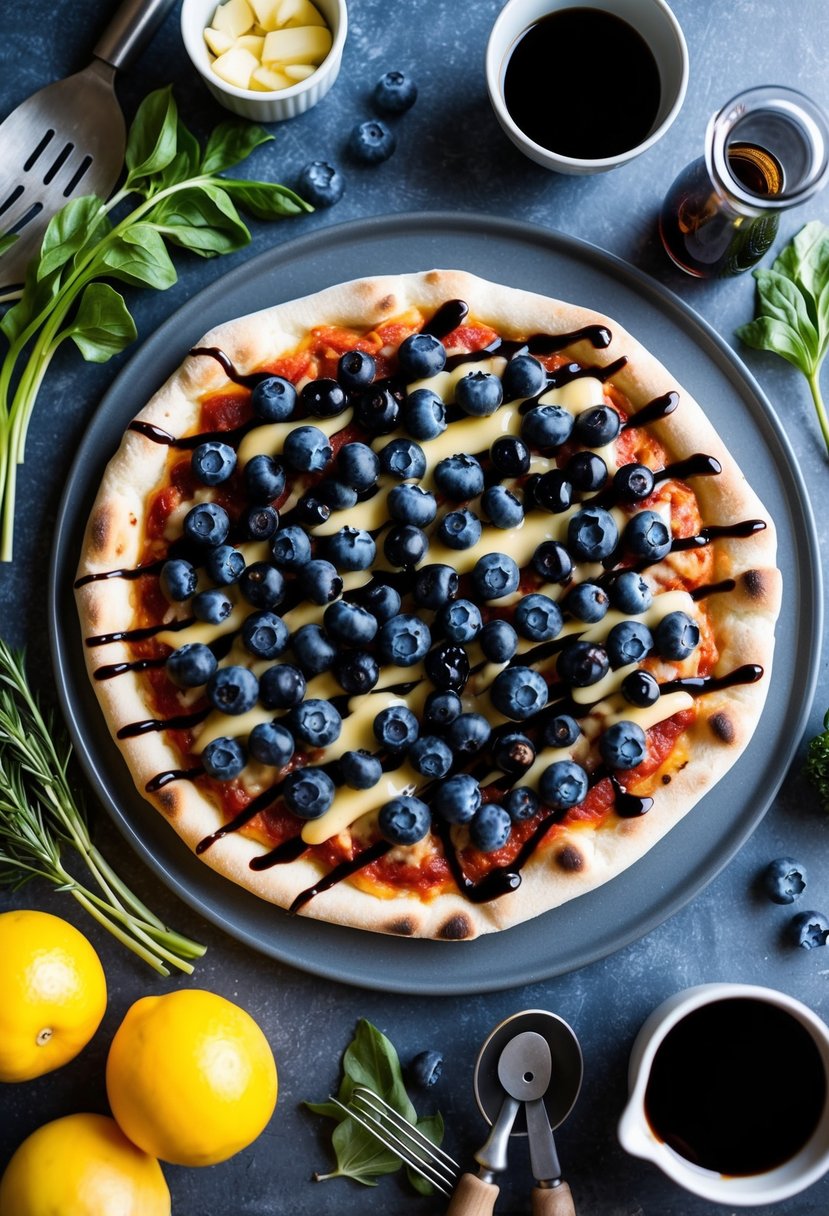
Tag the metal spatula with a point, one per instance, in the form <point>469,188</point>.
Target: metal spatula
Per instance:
<point>68,139</point>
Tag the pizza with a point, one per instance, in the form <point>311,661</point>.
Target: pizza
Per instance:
<point>424,604</point>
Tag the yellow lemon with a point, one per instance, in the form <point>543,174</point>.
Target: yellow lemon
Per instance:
<point>53,993</point>
<point>190,1077</point>
<point>82,1165</point>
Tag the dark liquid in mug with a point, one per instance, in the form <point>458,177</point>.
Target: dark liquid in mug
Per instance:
<point>737,1086</point>
<point>583,83</point>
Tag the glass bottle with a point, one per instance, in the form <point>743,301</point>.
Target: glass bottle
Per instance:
<point>765,151</point>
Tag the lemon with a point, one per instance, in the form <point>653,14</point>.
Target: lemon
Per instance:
<point>82,1165</point>
<point>190,1077</point>
<point>54,993</point>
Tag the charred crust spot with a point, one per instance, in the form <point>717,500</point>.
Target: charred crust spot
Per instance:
<point>167,800</point>
<point>455,929</point>
<point>666,778</point>
<point>722,726</point>
<point>754,584</point>
<point>386,304</point>
<point>403,927</point>
<point>570,859</point>
<point>100,529</point>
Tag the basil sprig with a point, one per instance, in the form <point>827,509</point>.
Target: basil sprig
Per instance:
<point>178,198</point>
<point>793,309</point>
<point>371,1060</point>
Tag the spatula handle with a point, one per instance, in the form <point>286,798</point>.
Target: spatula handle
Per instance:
<point>473,1197</point>
<point>552,1201</point>
<point>130,30</point>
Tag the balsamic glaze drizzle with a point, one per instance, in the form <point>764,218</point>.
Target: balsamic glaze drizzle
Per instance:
<point>158,782</point>
<point>344,870</point>
<point>150,725</point>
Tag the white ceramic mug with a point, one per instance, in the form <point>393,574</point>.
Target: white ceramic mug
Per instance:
<point>637,1136</point>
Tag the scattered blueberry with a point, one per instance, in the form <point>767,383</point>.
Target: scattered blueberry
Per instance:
<point>355,370</point>
<point>677,636</point>
<point>351,549</point>
<point>411,505</point>
<point>281,686</point>
<point>260,523</point>
<point>523,376</point>
<point>448,667</point>
<point>233,690</point>
<point>563,784</point>
<point>633,482</point>
<point>425,1069</point>
<point>312,649</point>
<point>191,665</point>
<point>461,620</point>
<point>623,745</point>
<point>495,575</point>
<point>420,356</point>
<point>490,827</point>
<point>396,727</point>
<point>784,880</point>
<point>468,733</point>
<point>273,399</point>
<point>457,799</point>
<point>308,792</point>
<point>809,929</point>
<point>357,672</point>
<point>395,93</point>
<point>582,664</point>
<point>358,466</point>
<point>441,708</point>
<point>320,184</point>
<point>592,534</point>
<point>323,398</point>
<point>435,585</point>
<point>459,477</point>
<point>640,688</point>
<point>264,478</point>
<point>360,770</point>
<point>597,426</point>
<point>271,743</point>
<point>371,142</point>
<point>586,471</point>
<point>587,602</point>
<point>404,820</point>
<point>498,641</point>
<point>459,529</point>
<point>224,565</point>
<point>538,618</point>
<point>377,410</point>
<point>514,753</point>
<point>307,449</point>
<point>561,731</point>
<point>405,545</point>
<point>211,606</point>
<point>478,394</point>
<point>320,581</point>
<point>223,759</point>
<point>647,535</point>
<point>404,459</point>
<point>213,462</point>
<point>546,427</point>
<point>424,414</point>
<point>628,642</point>
<point>262,585</point>
<point>265,635</point>
<point>521,803</point>
<point>403,640</point>
<point>207,524</point>
<point>349,623</point>
<point>382,601</point>
<point>178,579</point>
<point>552,490</point>
<point>317,722</point>
<point>510,456</point>
<point>291,548</point>
<point>519,692</point>
<point>630,593</point>
<point>335,494</point>
<point>501,507</point>
<point>430,756</point>
<point>552,561</point>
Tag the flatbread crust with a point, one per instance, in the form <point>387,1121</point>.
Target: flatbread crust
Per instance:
<point>580,858</point>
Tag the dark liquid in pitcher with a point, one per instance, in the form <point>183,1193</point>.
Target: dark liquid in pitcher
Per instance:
<point>737,1086</point>
<point>704,239</point>
<point>564,89</point>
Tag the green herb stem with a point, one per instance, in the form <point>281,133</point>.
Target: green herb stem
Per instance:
<point>814,385</point>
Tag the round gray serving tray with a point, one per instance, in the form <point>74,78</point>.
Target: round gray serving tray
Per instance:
<point>622,910</point>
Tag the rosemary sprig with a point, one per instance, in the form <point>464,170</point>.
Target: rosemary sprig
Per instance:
<point>41,816</point>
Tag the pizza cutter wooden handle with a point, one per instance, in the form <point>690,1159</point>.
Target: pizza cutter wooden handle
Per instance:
<point>552,1201</point>
<point>473,1197</point>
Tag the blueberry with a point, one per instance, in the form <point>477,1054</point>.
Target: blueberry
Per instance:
<point>405,545</point>
<point>592,534</point>
<point>273,399</point>
<point>628,642</point>
<point>521,803</point>
<point>502,508</point>
<point>677,636</point>
<point>308,792</point>
<point>307,449</point>
<point>211,606</point>
<point>587,602</point>
<point>468,733</point>
<point>265,635</point>
<point>597,426</point>
<point>424,414</point>
<point>317,722</point>
<point>311,511</point>
<point>320,581</point>
<point>586,471</point>
<point>260,523</point>
<point>312,649</point>
<point>552,561</point>
<point>207,524</point>
<point>425,1069</point>
<point>490,827</point>
<point>396,727</point>
<point>510,456</point>
<point>191,665</point>
<point>630,593</point>
<point>371,142</point>
<point>262,585</point>
<point>647,535</point>
<point>640,688</point>
<point>394,93</point>
<point>478,394</point>
<point>633,482</point>
<point>495,575</point>
<point>349,623</point>
<point>360,770</point>
<point>403,640</point>
<point>458,798</point>
<point>538,618</point>
<point>224,565</point>
<point>178,580</point>
<point>382,601</point>
<point>281,686</point>
<point>271,743</point>
<point>460,529</point>
<point>459,477</point>
<point>213,462</point>
<point>809,929</point>
<point>552,490</point>
<point>435,585</point>
<point>448,667</point>
<point>561,731</point>
<point>335,494</point>
<point>421,356</point>
<point>411,505</point>
<point>357,672</point>
<point>291,548</point>
<point>546,426</point>
<point>323,398</point>
<point>514,753</point>
<point>461,621</point>
<point>404,459</point>
<point>223,759</point>
<point>430,756</point>
<point>320,184</point>
<point>404,821</point>
<point>355,370</point>
<point>351,549</point>
<point>623,745</point>
<point>233,690</point>
<point>264,479</point>
<point>519,692</point>
<point>523,376</point>
<point>498,641</point>
<point>358,466</point>
<point>563,784</point>
<point>377,410</point>
<point>784,880</point>
<point>582,664</point>
<point>441,708</point>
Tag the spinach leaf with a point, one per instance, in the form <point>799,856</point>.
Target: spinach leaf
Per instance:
<point>264,200</point>
<point>230,143</point>
<point>138,256</point>
<point>81,223</point>
<point>202,219</point>
<point>102,326</point>
<point>153,137</point>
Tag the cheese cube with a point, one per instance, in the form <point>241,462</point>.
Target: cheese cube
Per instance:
<point>265,11</point>
<point>303,44</point>
<point>217,40</point>
<point>297,12</point>
<point>299,71</point>
<point>234,18</point>
<point>252,43</point>
<point>236,67</point>
<point>269,80</point>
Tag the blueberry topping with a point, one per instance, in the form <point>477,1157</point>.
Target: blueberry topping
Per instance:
<point>178,580</point>
<point>478,394</point>
<point>490,827</point>
<point>677,636</point>
<point>586,471</point>
<point>461,621</point>
<point>519,692</point>
<point>597,426</point>
<point>784,880</point>
<point>546,427</point>
<point>233,690</point>
<point>207,524</point>
<point>265,635</point>
<point>623,745</point>
<point>260,523</point>
<point>587,602</point>
<point>213,462</point>
<point>360,770</point>
<point>459,477</point>
<point>495,575</point>
<point>498,641</point>
<point>440,709</point>
<point>411,505</point>
<point>809,929</point>
<point>633,482</point>
<point>403,640</point>
<point>448,667</point>
<point>355,370</point>
<point>421,356</point>
<point>404,821</point>
<point>552,561</point>
<point>349,623</point>
<point>628,642</point>
<point>335,494</point>
<point>224,565</point>
<point>377,410</point>
<point>396,727</point>
<point>561,731</point>
<point>592,534</point>
<point>640,688</point>
<point>320,184</point>
<point>552,490</point>
<point>307,449</point>
<point>538,618</point>
<point>501,507</point>
<point>271,743</point>
<point>458,798</point>
<point>460,529</point>
<point>262,585</point>
<point>382,601</point>
<point>514,753</point>
<point>430,756</point>
<point>510,456</point>
<point>394,93</point>
<point>435,585</point>
<point>563,785</point>
<point>212,606</point>
<point>264,479</point>
<point>351,549</point>
<point>323,398</point>
<point>320,581</point>
<point>312,649</point>
<point>358,466</point>
<point>405,545</point>
<point>582,664</point>
<point>357,672</point>
<point>312,511</point>
<point>191,665</point>
<point>273,399</point>
<point>647,535</point>
<point>468,733</point>
<point>523,376</point>
<point>316,722</point>
<point>424,414</point>
<point>281,686</point>
<point>630,593</point>
<point>308,792</point>
<point>404,459</point>
<point>291,548</point>
<point>371,142</point>
<point>223,759</point>
<point>424,1070</point>
<point>521,803</point>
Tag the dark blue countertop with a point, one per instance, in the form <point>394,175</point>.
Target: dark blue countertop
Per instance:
<point>451,156</point>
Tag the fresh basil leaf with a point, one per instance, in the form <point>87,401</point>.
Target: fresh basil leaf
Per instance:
<point>139,256</point>
<point>359,1155</point>
<point>102,326</point>
<point>328,1110</point>
<point>371,1060</point>
<point>36,298</point>
<point>7,241</point>
<point>766,333</point>
<point>153,137</point>
<point>265,200</point>
<point>230,143</point>
<point>202,219</point>
<point>430,1126</point>
<point>784,301</point>
<point>80,224</point>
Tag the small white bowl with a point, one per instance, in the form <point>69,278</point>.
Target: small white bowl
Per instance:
<point>652,19</point>
<point>196,15</point>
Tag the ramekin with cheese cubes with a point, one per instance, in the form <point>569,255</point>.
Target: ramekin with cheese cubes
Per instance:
<point>266,60</point>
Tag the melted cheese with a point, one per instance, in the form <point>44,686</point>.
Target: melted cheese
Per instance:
<point>269,439</point>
